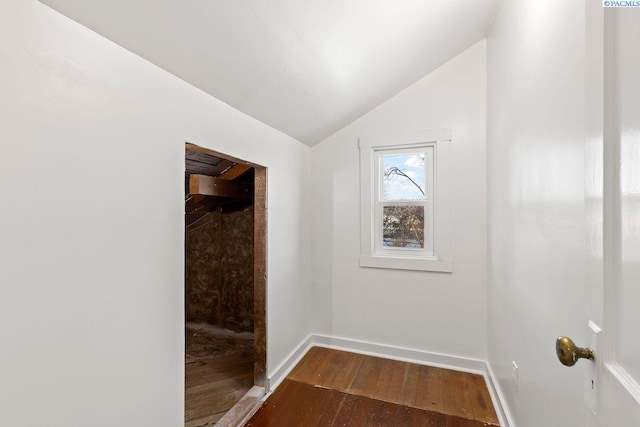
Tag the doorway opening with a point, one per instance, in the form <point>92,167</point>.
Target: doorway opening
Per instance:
<point>225,286</point>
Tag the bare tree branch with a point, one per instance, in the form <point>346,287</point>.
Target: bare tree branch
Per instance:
<point>397,171</point>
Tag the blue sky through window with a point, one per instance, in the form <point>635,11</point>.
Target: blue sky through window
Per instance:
<point>403,177</point>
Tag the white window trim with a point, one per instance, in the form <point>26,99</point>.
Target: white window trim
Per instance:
<point>441,260</point>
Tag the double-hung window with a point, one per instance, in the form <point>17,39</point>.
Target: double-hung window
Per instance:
<point>405,201</point>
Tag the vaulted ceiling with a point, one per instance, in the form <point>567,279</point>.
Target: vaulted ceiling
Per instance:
<point>305,67</point>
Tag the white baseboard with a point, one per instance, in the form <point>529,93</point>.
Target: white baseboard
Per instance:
<point>275,378</point>
<point>440,360</point>
<point>465,364</point>
<point>498,397</point>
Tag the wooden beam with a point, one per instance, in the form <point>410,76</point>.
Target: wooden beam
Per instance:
<point>210,186</point>
<point>260,278</point>
<point>235,171</point>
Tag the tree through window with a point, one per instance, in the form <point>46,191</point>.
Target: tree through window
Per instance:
<point>403,181</point>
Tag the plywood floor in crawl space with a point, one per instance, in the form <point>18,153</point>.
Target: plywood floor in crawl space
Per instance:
<point>218,372</point>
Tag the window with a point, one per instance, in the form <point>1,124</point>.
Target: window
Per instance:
<point>405,201</point>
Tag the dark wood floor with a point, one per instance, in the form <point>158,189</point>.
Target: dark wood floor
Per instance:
<point>218,372</point>
<point>336,388</point>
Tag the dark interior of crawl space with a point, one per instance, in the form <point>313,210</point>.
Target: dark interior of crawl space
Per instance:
<point>219,285</point>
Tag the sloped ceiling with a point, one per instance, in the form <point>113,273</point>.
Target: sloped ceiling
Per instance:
<point>305,67</point>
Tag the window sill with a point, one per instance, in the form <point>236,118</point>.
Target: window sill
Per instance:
<point>421,264</point>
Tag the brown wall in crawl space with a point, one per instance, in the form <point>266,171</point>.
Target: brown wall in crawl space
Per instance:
<point>219,269</point>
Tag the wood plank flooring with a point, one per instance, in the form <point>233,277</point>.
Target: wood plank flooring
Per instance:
<point>337,388</point>
<point>218,372</point>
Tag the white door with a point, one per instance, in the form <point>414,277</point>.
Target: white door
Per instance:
<point>612,200</point>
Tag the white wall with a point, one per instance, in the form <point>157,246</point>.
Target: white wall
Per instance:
<point>440,312</point>
<point>535,168</point>
<point>91,237</point>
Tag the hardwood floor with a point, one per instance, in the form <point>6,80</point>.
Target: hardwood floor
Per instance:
<point>218,372</point>
<point>337,388</point>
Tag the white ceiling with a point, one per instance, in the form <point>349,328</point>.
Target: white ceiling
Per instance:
<point>305,67</point>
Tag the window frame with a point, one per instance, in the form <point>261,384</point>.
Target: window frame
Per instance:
<point>380,202</point>
<point>437,257</point>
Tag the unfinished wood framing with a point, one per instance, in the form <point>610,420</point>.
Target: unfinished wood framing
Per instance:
<point>235,171</point>
<point>211,186</point>
<point>260,277</point>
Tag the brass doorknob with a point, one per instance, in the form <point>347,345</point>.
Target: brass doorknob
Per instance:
<point>569,353</point>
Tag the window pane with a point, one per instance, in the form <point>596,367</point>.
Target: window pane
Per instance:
<point>403,177</point>
<point>403,227</point>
